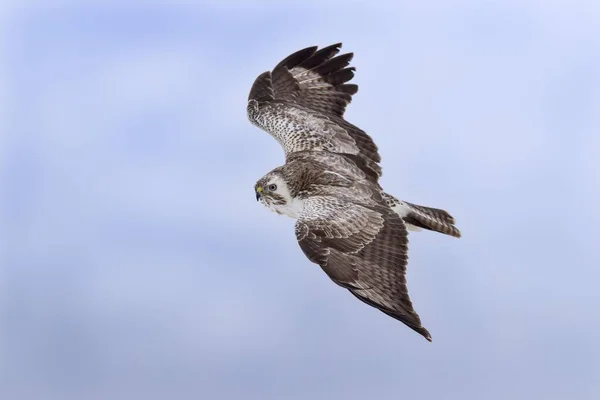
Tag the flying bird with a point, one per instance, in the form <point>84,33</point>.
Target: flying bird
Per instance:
<point>345,222</point>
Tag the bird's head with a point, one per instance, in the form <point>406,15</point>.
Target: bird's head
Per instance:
<point>272,190</point>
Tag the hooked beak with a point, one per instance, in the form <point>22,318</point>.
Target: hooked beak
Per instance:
<point>258,191</point>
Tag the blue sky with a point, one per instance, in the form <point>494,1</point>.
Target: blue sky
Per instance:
<point>137,264</point>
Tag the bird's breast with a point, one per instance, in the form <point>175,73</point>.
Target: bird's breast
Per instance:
<point>292,208</point>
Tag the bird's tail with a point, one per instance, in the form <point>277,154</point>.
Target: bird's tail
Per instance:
<point>416,217</point>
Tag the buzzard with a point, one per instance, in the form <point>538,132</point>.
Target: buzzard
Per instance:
<point>345,222</point>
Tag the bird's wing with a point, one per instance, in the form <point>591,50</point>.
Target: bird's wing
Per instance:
<point>302,101</point>
<point>363,249</point>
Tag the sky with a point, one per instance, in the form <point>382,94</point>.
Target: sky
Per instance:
<point>136,262</point>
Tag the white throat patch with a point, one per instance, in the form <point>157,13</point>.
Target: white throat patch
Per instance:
<point>293,206</point>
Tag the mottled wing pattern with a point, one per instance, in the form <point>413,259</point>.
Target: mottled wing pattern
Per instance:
<point>433,219</point>
<point>302,101</point>
<point>363,249</point>
<point>312,78</point>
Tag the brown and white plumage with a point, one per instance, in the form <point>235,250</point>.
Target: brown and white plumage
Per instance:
<point>345,226</point>
<point>346,223</point>
<point>301,103</point>
<point>363,248</point>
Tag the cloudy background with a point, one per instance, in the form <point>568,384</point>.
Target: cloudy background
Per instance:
<point>136,264</point>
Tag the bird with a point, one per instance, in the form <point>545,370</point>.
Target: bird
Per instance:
<point>302,102</point>
<point>345,222</point>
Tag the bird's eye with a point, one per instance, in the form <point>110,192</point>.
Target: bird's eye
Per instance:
<point>272,187</point>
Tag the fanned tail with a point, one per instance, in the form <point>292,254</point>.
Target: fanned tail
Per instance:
<point>416,216</point>
<point>432,219</point>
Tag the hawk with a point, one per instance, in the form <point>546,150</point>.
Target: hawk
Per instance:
<point>345,222</point>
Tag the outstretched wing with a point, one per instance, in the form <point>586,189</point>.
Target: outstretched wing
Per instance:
<point>301,103</point>
<point>363,249</point>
